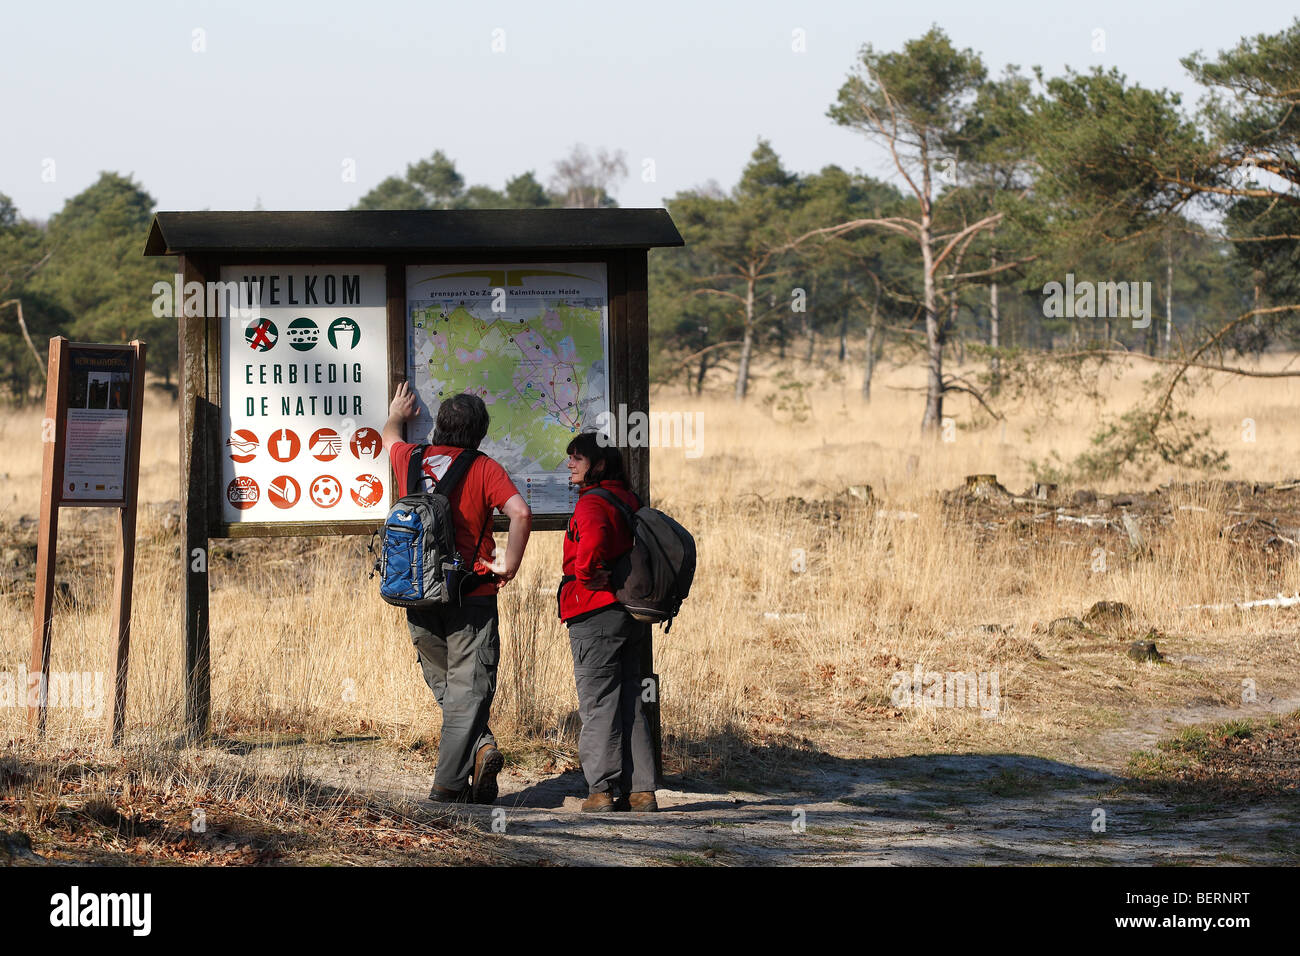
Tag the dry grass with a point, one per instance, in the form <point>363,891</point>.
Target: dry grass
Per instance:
<point>761,653</point>
<point>159,805</point>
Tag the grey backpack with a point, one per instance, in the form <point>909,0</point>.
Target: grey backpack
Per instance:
<point>653,578</point>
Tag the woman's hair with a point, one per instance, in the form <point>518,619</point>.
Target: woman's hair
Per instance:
<point>462,421</point>
<point>606,460</point>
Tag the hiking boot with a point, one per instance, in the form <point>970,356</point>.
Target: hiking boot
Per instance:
<point>487,764</point>
<point>598,803</point>
<point>642,801</point>
<point>444,795</point>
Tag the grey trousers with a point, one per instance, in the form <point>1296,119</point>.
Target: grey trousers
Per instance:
<point>458,649</point>
<point>615,746</point>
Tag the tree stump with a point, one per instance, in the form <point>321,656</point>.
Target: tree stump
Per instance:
<point>986,487</point>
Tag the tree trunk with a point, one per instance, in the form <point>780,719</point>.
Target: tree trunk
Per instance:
<point>870,366</point>
<point>933,417</point>
<point>875,345</point>
<point>747,345</point>
<point>808,328</point>
<point>1169,293</point>
<point>995,363</point>
<point>1258,351</point>
<point>954,304</point>
<point>699,377</point>
<point>844,325</point>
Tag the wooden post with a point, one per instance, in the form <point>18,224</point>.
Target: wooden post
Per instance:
<point>637,372</point>
<point>125,573</point>
<point>195,467</point>
<point>52,428</point>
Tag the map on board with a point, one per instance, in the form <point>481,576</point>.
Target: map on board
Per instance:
<point>531,340</point>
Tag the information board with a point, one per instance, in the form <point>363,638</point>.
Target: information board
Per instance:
<point>98,420</point>
<point>532,340</point>
<point>304,394</point>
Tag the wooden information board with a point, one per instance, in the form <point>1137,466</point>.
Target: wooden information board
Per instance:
<point>91,432</point>
<point>541,311</point>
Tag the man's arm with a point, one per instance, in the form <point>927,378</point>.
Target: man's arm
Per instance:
<point>401,410</point>
<point>521,526</point>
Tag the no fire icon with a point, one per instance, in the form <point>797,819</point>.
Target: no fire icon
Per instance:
<point>261,335</point>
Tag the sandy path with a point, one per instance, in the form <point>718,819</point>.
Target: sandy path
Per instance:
<point>936,810</point>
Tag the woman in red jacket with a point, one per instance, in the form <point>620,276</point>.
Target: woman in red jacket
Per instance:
<point>615,746</point>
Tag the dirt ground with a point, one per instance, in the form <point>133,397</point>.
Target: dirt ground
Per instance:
<point>940,809</point>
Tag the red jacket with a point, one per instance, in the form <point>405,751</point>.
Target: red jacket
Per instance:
<point>597,537</point>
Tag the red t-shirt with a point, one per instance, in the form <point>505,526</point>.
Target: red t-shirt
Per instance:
<point>485,487</point>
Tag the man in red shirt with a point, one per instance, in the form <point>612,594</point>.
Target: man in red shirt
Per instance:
<point>458,645</point>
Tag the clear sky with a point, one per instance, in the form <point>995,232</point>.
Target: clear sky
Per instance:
<point>284,94</point>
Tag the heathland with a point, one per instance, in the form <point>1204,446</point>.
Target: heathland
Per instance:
<point>814,598</point>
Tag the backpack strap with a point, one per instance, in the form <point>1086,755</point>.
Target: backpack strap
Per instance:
<point>564,579</point>
<point>618,504</point>
<point>452,477</point>
<point>415,470</point>
<point>446,485</point>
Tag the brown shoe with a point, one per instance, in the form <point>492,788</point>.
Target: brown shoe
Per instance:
<point>440,794</point>
<point>598,803</point>
<point>642,801</point>
<point>487,764</point>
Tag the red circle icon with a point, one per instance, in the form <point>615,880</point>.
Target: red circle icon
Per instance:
<point>325,444</point>
<point>283,445</point>
<point>325,491</point>
<point>366,444</point>
<point>283,492</point>
<point>368,490</point>
<point>242,493</point>
<point>242,445</point>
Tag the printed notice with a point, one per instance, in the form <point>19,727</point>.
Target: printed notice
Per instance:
<point>98,424</point>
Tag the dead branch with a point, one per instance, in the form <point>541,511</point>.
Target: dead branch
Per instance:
<point>18,304</point>
<point>1232,370</point>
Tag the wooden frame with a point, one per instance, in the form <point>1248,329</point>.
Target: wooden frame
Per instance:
<point>626,335</point>
<point>53,468</point>
<point>205,242</point>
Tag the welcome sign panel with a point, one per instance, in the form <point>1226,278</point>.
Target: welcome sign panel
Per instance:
<point>304,390</point>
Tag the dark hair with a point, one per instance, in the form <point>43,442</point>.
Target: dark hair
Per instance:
<point>462,421</point>
<point>606,460</point>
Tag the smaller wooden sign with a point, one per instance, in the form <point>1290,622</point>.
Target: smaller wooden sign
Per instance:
<point>93,413</point>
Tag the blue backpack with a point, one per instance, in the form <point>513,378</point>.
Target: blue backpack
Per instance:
<point>418,564</point>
